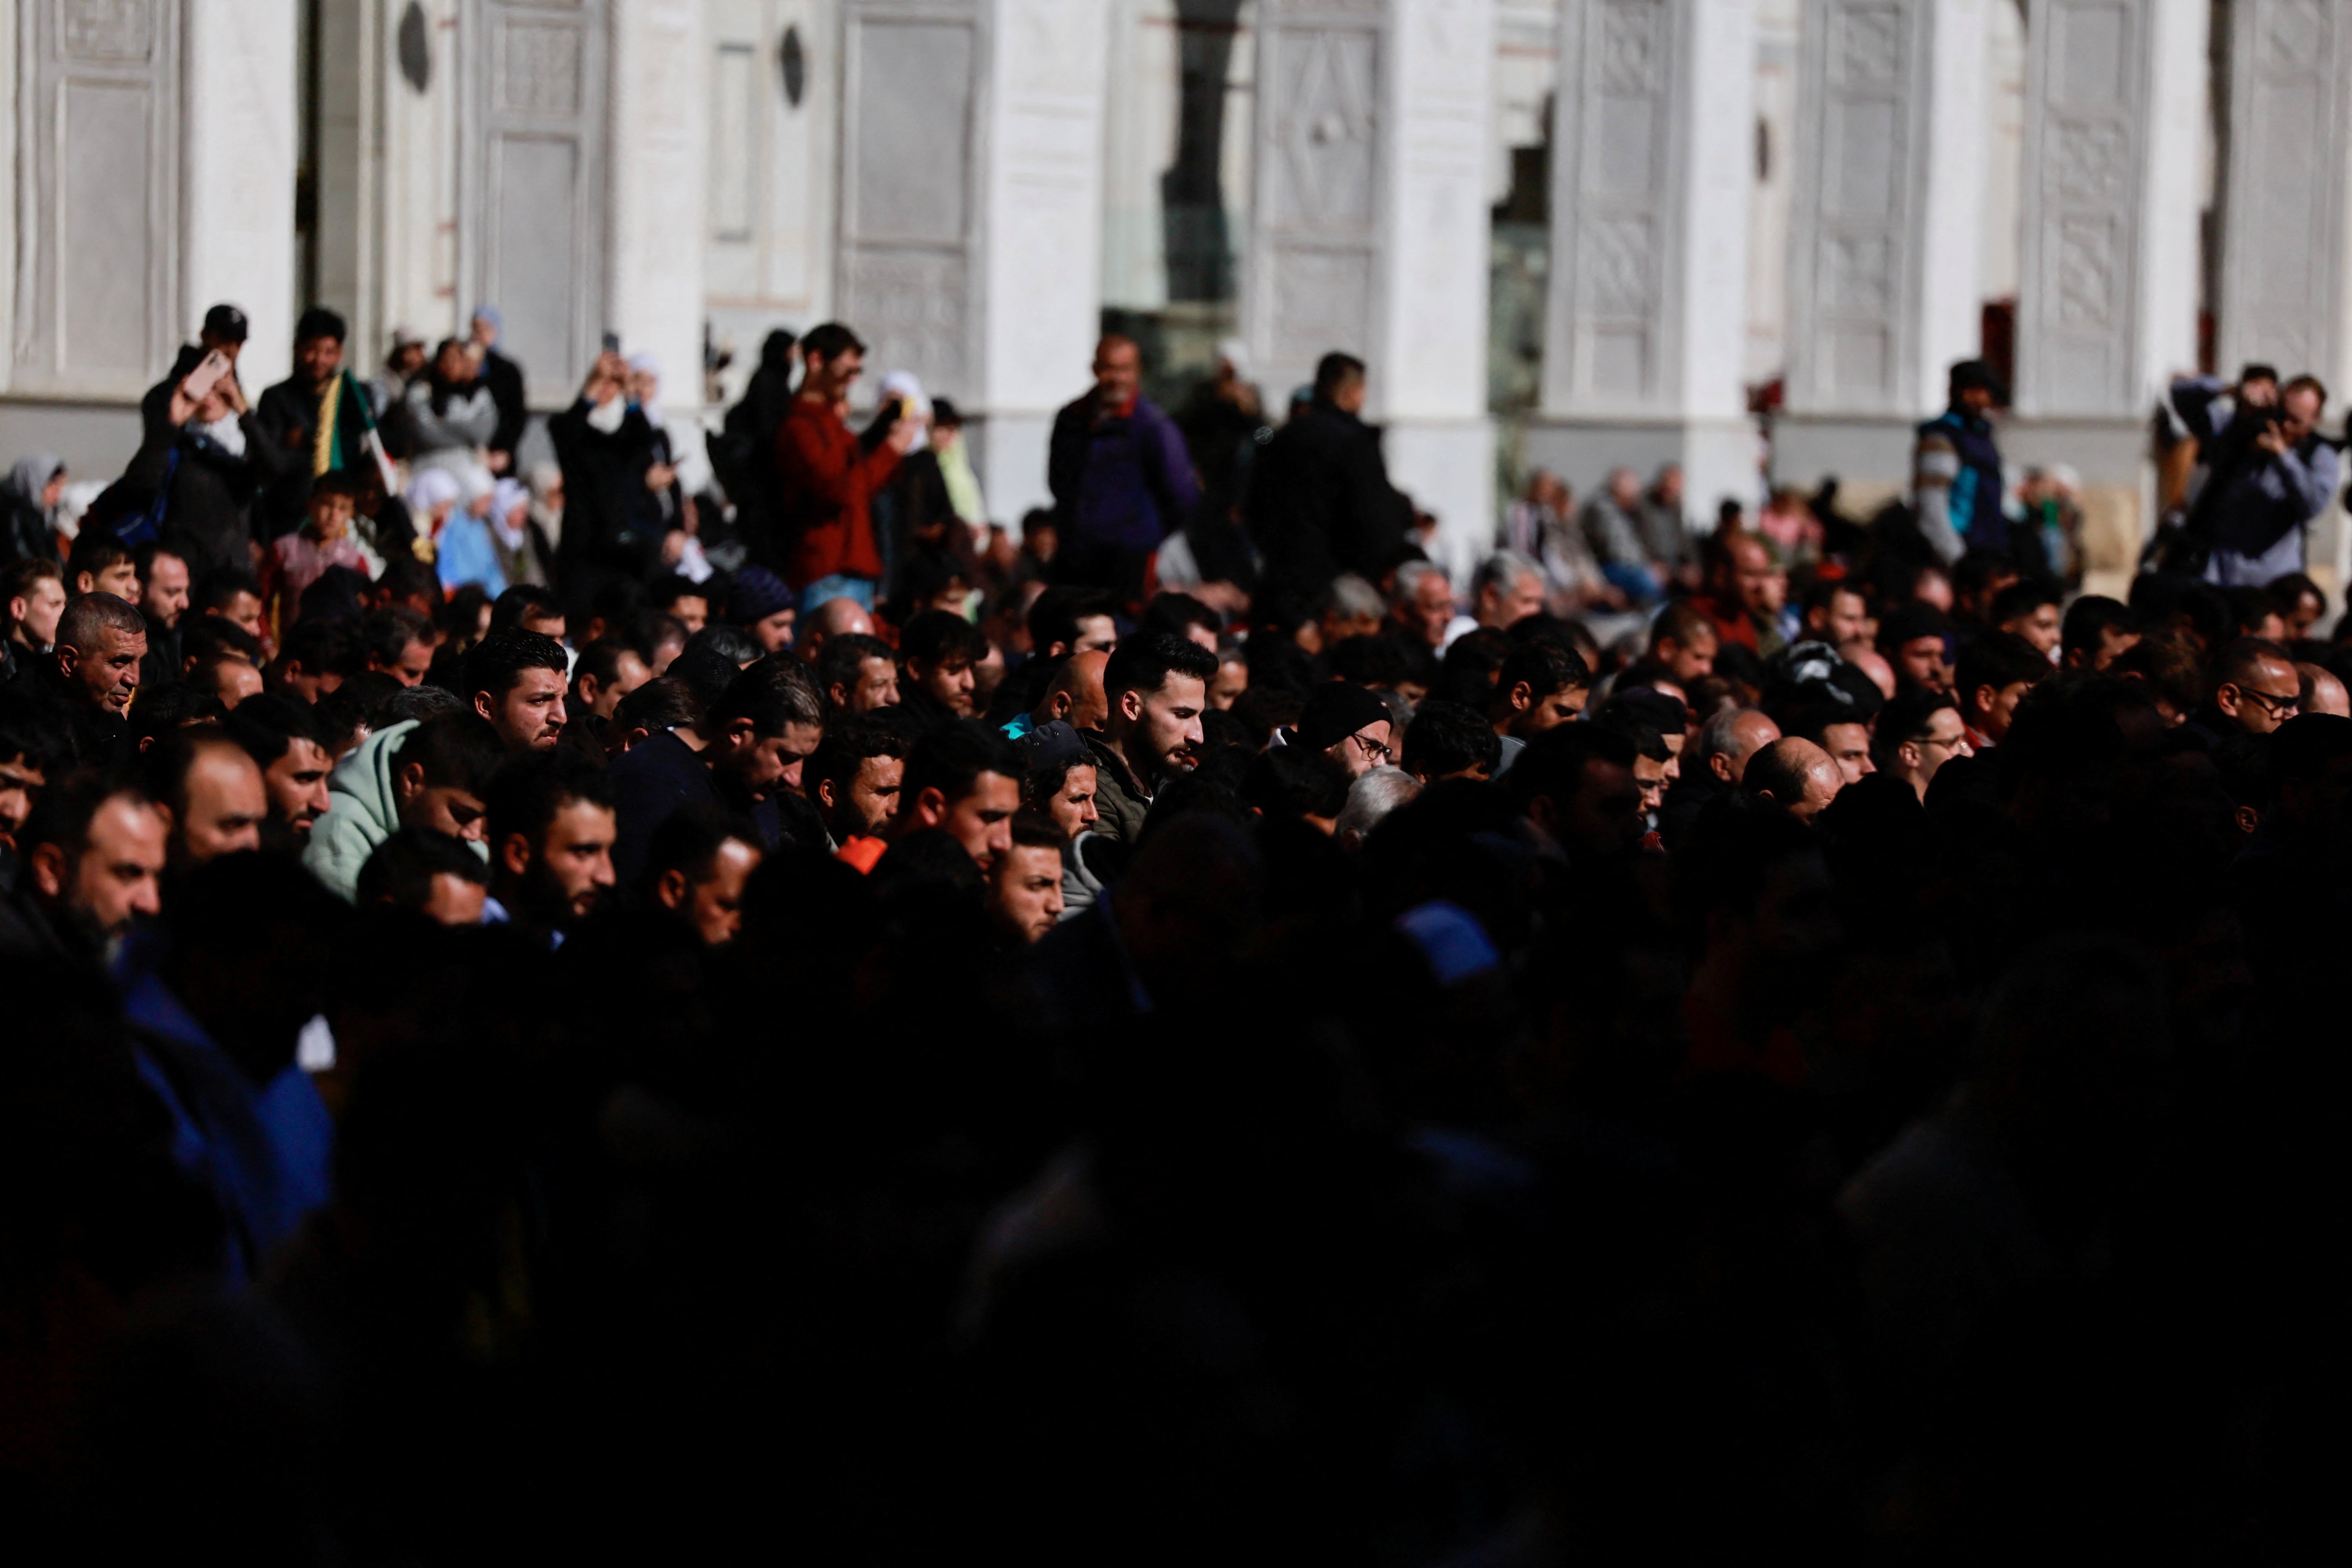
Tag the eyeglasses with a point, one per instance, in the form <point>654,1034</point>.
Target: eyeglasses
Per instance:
<point>2277,706</point>
<point>1377,750</point>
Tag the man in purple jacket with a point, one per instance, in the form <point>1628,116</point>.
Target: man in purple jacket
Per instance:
<point>1120,478</point>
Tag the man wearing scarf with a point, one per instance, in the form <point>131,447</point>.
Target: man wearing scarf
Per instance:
<point>316,420</point>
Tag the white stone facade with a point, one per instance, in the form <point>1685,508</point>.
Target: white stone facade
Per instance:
<point>1721,195</point>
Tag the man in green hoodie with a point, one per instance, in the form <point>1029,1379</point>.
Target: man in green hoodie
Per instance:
<point>431,774</point>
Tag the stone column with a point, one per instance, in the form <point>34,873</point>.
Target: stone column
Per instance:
<point>970,243</point>
<point>238,221</point>
<point>1652,161</point>
<point>2285,298</point>
<point>656,152</point>
<point>1370,231</point>
<point>1882,269</point>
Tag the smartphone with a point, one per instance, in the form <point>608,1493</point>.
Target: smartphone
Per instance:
<point>612,343</point>
<point>205,376</point>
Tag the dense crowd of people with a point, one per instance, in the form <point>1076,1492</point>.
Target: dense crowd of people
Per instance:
<point>762,1004</point>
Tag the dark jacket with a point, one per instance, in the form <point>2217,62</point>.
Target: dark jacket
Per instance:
<point>743,454</point>
<point>1120,481</point>
<point>1121,798</point>
<point>209,491</point>
<point>1321,502</point>
<point>288,414</point>
<point>1691,793</point>
<point>504,378</point>
<point>650,781</point>
<point>613,525</point>
<point>24,530</point>
<point>918,713</point>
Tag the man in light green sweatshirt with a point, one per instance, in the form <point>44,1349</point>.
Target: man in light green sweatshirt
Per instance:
<point>433,774</point>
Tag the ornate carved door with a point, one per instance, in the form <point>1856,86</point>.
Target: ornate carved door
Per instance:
<point>532,228</point>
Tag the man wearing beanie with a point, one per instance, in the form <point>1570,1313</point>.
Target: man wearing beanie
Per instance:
<point>763,605</point>
<point>1348,723</point>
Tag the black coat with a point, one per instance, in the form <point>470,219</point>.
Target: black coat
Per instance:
<point>288,414</point>
<point>504,378</point>
<point>210,503</point>
<point>613,525</point>
<point>1321,502</point>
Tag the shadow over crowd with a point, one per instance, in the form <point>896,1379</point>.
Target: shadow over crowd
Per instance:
<point>1806,1042</point>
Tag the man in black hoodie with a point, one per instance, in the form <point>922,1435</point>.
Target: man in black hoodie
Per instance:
<point>1321,502</point>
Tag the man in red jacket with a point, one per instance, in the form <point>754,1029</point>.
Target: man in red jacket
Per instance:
<point>827,479</point>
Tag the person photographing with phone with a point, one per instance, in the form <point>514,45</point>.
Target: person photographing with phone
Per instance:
<point>624,518</point>
<point>204,458</point>
<point>826,475</point>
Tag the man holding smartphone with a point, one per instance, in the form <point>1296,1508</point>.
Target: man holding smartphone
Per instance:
<point>827,479</point>
<point>224,333</point>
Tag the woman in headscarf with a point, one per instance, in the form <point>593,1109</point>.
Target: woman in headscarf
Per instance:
<point>466,550</point>
<point>914,514</point>
<point>451,413</point>
<point>522,554</point>
<point>34,488</point>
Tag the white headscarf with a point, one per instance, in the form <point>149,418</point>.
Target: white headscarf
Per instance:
<point>431,489</point>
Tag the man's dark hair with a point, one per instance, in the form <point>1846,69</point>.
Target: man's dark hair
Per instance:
<point>1908,717</point>
<point>267,723</point>
<point>1546,667</point>
<point>1627,719</point>
<point>386,635</point>
<point>1683,622</point>
<point>1145,663</point>
<point>670,587</point>
<point>772,694</point>
<point>217,589</point>
<point>2236,663</point>
<point>207,638</point>
<point>317,321</point>
<point>63,814</point>
<point>400,870</point>
<point>728,641</point>
<point>1175,613</point>
<point>2024,596</point>
<point>143,558</point>
<point>690,839</point>
<point>164,766</point>
<point>1377,661</point>
<point>1336,370</point>
<point>497,664</point>
<point>405,577</point>
<point>1552,766</point>
<point>338,594</point>
<point>1054,617</point>
<point>523,602</point>
<point>401,703</point>
<point>170,707</point>
<point>525,793</point>
<point>831,341</point>
<point>2291,589</point>
<point>2000,659</point>
<point>940,636</point>
<point>661,703</point>
<point>457,751</point>
<point>1031,831</point>
<point>1467,675</point>
<point>319,647</point>
<point>336,482</point>
<point>2090,618</point>
<point>600,659</point>
<point>848,741</point>
<point>841,658</point>
<point>952,758</point>
<point>31,733</point>
<point>95,551</point>
<point>1444,738</point>
<point>1820,595</point>
<point>1293,782</point>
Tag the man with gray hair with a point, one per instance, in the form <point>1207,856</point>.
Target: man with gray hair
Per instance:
<point>1612,525</point>
<point>1423,605</point>
<point>1370,800</point>
<point>1712,766</point>
<point>1351,608</point>
<point>92,673</point>
<point>1507,588</point>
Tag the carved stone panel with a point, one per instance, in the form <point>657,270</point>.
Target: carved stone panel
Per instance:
<point>533,220</point>
<point>2284,295</point>
<point>2107,302</point>
<point>98,196</point>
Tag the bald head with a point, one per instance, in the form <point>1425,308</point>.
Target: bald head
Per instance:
<point>1795,775</point>
<point>1728,739</point>
<point>2322,693</point>
<point>1076,693</point>
<point>834,618</point>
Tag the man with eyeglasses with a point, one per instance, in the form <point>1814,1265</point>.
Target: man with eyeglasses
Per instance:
<point>1919,733</point>
<point>2255,688</point>
<point>1348,723</point>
